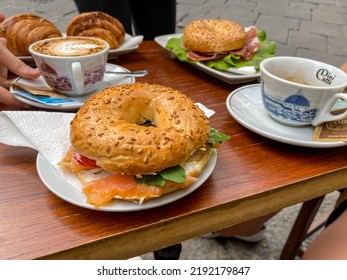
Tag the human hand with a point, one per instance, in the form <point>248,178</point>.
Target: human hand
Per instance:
<point>9,62</point>
<point>344,67</point>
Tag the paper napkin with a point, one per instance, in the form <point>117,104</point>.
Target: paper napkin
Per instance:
<point>46,132</point>
<point>131,42</point>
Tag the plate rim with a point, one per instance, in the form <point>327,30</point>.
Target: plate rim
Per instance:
<point>42,164</point>
<point>272,134</point>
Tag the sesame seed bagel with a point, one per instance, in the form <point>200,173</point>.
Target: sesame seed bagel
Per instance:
<point>214,35</point>
<point>108,128</point>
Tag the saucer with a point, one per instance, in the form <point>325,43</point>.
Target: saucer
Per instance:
<point>72,103</point>
<point>246,106</point>
<point>225,76</point>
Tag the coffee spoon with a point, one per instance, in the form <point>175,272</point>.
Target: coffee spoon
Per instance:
<point>139,73</point>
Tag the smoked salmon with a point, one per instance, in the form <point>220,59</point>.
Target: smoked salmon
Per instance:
<point>101,191</point>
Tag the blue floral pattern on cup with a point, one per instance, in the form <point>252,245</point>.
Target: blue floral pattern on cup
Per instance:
<point>296,107</point>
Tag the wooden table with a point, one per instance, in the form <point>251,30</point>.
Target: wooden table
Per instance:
<point>253,176</point>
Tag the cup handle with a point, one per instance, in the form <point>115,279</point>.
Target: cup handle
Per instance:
<point>324,115</point>
<point>78,77</point>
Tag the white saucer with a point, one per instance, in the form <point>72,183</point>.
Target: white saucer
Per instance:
<point>221,75</point>
<point>246,107</point>
<point>109,80</point>
<point>66,191</point>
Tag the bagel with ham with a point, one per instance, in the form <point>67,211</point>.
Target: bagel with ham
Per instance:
<point>138,141</point>
<point>222,44</point>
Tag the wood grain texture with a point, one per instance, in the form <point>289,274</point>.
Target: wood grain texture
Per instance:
<point>253,176</point>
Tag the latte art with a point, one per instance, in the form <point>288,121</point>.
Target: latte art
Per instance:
<point>73,48</point>
<point>70,47</point>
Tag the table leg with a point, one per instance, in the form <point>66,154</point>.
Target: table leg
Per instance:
<point>169,253</point>
<point>300,228</point>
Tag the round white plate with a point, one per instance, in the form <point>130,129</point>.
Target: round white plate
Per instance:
<point>221,75</point>
<point>129,44</point>
<point>246,106</point>
<point>109,80</point>
<point>56,184</point>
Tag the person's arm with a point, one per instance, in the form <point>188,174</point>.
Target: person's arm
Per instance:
<point>344,67</point>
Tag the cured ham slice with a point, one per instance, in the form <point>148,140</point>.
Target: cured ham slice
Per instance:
<point>252,44</point>
<point>198,56</point>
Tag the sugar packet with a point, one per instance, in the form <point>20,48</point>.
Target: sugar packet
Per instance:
<point>331,131</point>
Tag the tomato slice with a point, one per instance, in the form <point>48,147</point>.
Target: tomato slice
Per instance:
<point>85,161</point>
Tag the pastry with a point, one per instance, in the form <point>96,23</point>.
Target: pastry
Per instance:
<point>97,24</point>
<point>24,29</point>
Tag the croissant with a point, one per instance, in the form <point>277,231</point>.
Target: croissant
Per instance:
<point>21,30</point>
<point>97,24</point>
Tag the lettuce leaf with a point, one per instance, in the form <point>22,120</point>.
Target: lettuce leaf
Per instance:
<point>268,49</point>
<point>217,137</point>
<point>174,45</point>
<point>177,173</point>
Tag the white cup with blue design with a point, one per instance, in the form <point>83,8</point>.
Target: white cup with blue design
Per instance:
<point>298,91</point>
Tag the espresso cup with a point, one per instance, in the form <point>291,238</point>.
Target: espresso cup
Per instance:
<point>74,66</point>
<point>298,91</point>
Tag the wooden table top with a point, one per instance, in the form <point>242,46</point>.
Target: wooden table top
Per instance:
<point>253,176</point>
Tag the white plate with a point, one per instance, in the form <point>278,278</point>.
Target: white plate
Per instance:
<point>246,107</point>
<point>129,44</point>
<point>109,80</point>
<point>56,184</point>
<point>222,75</point>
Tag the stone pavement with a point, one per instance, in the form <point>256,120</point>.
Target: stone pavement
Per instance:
<point>314,29</point>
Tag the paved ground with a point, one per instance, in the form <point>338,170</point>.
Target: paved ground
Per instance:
<point>314,29</point>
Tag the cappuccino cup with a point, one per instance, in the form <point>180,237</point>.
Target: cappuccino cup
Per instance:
<point>298,91</point>
<point>74,66</point>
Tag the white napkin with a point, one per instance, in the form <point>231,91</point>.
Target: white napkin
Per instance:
<point>46,132</point>
<point>208,112</point>
<point>131,42</point>
<point>245,70</point>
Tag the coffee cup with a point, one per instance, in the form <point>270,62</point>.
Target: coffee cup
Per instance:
<point>298,91</point>
<point>74,66</point>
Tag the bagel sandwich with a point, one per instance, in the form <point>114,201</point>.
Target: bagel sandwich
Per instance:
<point>139,141</point>
<point>221,44</point>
